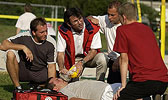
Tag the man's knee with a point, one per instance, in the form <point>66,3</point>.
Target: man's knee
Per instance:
<point>101,57</point>
<point>10,55</point>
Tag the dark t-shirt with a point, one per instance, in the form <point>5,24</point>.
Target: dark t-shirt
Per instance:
<point>43,53</point>
<point>145,61</point>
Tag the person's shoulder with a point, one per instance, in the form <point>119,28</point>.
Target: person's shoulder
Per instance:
<point>121,27</point>
<point>27,14</point>
<point>22,15</point>
<point>51,40</point>
<point>126,26</point>
<point>21,36</point>
<point>27,33</point>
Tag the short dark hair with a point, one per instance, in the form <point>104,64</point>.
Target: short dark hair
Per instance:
<point>72,12</point>
<point>114,4</point>
<point>37,21</point>
<point>49,85</point>
<point>28,7</point>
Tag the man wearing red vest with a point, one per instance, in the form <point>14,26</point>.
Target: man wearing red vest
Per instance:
<point>79,44</point>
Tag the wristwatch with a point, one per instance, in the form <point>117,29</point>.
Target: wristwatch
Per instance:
<point>83,62</point>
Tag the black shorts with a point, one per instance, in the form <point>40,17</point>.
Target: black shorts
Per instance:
<point>26,75</point>
<point>137,90</point>
<point>113,77</point>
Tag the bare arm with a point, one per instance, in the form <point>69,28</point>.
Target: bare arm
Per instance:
<point>60,61</point>
<point>92,53</point>
<point>123,61</point>
<point>18,30</point>
<point>51,70</point>
<point>9,45</point>
<point>123,68</point>
<point>93,20</point>
<point>6,45</point>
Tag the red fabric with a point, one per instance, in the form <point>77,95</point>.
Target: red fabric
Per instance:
<point>39,96</point>
<point>145,61</point>
<point>65,31</point>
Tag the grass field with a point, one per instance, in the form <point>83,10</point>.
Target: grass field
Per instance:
<point>6,31</point>
<point>6,86</point>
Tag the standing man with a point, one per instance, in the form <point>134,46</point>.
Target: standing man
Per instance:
<point>23,23</point>
<point>140,54</point>
<point>108,25</point>
<point>31,56</point>
<point>79,41</point>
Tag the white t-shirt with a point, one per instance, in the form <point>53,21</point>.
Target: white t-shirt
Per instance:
<point>50,30</point>
<point>109,29</point>
<point>91,89</point>
<point>78,40</point>
<point>24,21</point>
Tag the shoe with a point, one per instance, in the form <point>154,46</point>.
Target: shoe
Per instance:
<point>18,90</point>
<point>34,87</point>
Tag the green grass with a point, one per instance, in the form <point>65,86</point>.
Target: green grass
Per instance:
<point>6,31</point>
<point>6,86</point>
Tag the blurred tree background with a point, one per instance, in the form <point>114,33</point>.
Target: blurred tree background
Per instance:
<point>88,7</point>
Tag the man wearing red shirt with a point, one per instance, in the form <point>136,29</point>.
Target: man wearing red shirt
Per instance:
<point>140,55</point>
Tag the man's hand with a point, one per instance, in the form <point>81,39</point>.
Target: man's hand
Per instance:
<point>79,66</point>
<point>6,45</point>
<point>118,93</point>
<point>93,20</point>
<point>64,71</point>
<point>29,55</point>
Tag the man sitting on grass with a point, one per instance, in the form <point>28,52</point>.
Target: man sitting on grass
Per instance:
<point>31,55</point>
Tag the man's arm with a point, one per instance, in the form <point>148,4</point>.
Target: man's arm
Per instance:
<point>91,54</point>
<point>60,61</point>
<point>6,45</point>
<point>9,45</point>
<point>93,20</point>
<point>51,70</point>
<point>123,62</point>
<point>18,30</point>
<point>123,68</point>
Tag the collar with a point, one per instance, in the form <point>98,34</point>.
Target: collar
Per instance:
<point>73,32</point>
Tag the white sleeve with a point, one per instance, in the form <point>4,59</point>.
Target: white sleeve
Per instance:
<point>102,23</point>
<point>61,43</point>
<point>96,42</point>
<point>18,23</point>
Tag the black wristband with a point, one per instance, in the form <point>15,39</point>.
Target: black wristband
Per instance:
<point>83,62</point>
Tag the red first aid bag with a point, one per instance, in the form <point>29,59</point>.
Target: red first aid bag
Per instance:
<point>38,95</point>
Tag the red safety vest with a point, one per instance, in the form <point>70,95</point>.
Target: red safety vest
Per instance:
<point>66,33</point>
